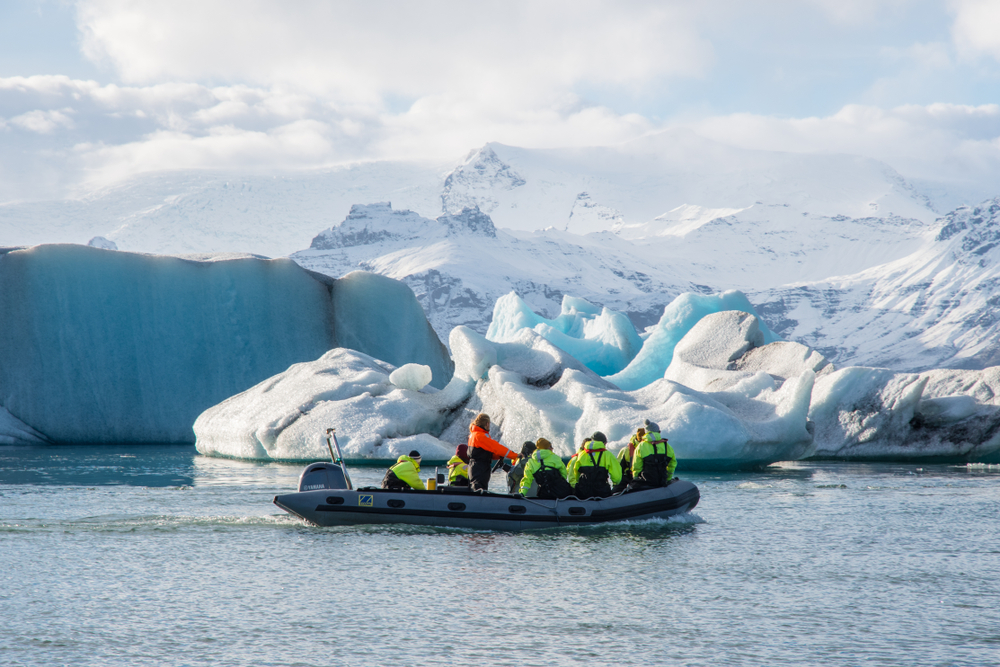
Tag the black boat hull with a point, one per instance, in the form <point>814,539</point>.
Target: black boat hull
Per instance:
<point>460,508</point>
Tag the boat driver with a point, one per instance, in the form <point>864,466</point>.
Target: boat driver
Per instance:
<point>482,451</point>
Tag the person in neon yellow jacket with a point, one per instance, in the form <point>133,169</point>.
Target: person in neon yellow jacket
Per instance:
<point>458,467</point>
<point>625,458</point>
<point>654,461</point>
<point>405,474</point>
<point>593,468</point>
<point>548,471</point>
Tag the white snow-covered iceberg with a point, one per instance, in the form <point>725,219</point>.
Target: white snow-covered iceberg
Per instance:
<point>105,346</point>
<point>863,413</point>
<point>286,416</point>
<point>856,413</point>
<point>530,388</point>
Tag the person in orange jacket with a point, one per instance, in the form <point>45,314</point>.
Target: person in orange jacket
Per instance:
<point>483,450</point>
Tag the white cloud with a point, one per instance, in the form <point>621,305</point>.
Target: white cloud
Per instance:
<point>42,121</point>
<point>855,12</point>
<point>936,142</point>
<point>124,130</point>
<point>358,52</point>
<point>976,30</point>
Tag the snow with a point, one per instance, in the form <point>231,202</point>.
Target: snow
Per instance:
<point>934,307</point>
<point>117,347</point>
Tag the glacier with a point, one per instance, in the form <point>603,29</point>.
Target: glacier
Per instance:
<point>106,346</point>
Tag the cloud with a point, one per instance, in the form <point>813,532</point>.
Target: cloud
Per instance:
<point>42,122</point>
<point>937,143</point>
<point>359,52</point>
<point>976,30</point>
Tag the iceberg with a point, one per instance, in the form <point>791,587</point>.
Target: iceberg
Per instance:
<point>866,413</point>
<point>679,317</point>
<point>117,347</point>
<point>855,413</point>
<point>286,416</point>
<point>530,388</point>
<point>13,431</point>
<point>603,339</point>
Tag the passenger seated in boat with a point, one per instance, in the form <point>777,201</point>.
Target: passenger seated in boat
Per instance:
<point>654,462</point>
<point>625,458</point>
<point>547,470</point>
<point>482,451</point>
<point>572,459</point>
<point>405,474</point>
<point>517,472</point>
<point>458,467</point>
<point>593,468</point>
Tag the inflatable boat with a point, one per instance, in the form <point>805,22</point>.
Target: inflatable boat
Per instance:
<point>326,497</point>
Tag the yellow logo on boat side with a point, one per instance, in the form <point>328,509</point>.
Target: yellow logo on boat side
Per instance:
<point>366,501</point>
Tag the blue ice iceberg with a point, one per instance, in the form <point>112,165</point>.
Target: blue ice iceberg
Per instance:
<point>115,347</point>
<point>603,339</point>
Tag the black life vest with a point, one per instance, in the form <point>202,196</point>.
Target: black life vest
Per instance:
<point>390,481</point>
<point>654,467</point>
<point>551,485</point>
<point>594,481</point>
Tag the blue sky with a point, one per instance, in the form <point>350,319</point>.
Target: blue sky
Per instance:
<point>96,90</point>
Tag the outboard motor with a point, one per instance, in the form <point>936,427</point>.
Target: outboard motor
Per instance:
<point>323,476</point>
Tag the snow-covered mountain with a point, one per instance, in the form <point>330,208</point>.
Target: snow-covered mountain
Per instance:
<point>904,294</point>
<point>189,212</point>
<point>939,306</point>
<point>459,265</point>
<point>587,190</point>
<point>577,190</point>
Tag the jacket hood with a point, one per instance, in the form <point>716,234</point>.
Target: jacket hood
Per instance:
<point>406,457</point>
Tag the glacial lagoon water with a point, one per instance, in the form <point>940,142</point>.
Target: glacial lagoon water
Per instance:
<point>160,556</point>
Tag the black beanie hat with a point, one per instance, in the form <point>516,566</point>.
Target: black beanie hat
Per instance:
<point>414,455</point>
<point>527,448</point>
<point>600,437</point>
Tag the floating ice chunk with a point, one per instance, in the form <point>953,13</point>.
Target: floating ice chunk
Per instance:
<point>875,413</point>
<point>411,376</point>
<point>285,417</point>
<point>430,448</point>
<point>947,410</point>
<point>678,318</point>
<point>473,354</point>
<point>719,430</point>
